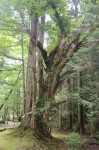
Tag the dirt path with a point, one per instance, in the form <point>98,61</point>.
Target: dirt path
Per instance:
<point>9,125</point>
<point>91,147</point>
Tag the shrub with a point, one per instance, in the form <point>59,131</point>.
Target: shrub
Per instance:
<point>74,142</point>
<point>95,136</point>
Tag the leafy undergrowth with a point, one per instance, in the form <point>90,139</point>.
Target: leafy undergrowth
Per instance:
<point>72,140</point>
<point>96,136</point>
<point>26,140</point>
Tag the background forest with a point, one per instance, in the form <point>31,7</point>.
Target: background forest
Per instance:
<point>49,65</point>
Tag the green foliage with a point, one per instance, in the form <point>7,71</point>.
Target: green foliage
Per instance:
<point>45,106</point>
<point>96,136</point>
<point>74,141</point>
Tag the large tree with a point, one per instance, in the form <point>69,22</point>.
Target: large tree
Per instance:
<point>54,62</point>
<point>69,39</point>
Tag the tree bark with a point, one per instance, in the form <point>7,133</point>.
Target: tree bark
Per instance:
<point>40,60</point>
<point>31,75</point>
<point>23,76</point>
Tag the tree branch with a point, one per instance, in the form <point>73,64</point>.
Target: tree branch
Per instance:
<point>64,75</point>
<point>11,57</point>
<point>59,19</point>
<point>1,106</point>
<point>6,98</point>
<point>43,52</point>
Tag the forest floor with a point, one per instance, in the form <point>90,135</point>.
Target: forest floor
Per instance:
<point>91,143</point>
<point>11,140</point>
<point>91,147</point>
<point>16,139</point>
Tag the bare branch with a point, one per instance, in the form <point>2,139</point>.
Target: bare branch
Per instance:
<point>11,57</point>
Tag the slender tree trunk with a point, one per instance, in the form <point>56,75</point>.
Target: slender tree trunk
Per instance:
<point>60,117</point>
<point>80,106</point>
<point>69,105</point>
<point>23,76</point>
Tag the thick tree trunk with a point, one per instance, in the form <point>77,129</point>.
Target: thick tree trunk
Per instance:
<point>40,114</point>
<point>40,59</point>
<point>31,75</point>
<point>42,118</point>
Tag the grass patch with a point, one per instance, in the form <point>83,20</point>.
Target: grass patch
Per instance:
<point>14,142</point>
<point>60,136</point>
<point>18,139</point>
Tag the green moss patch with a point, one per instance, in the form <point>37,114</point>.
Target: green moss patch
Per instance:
<point>19,139</point>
